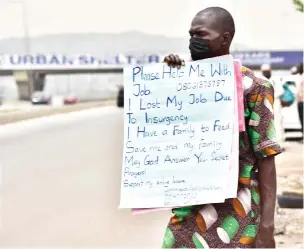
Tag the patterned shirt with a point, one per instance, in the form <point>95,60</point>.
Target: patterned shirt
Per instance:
<point>234,223</point>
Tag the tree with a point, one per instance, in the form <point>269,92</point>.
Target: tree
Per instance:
<point>299,5</point>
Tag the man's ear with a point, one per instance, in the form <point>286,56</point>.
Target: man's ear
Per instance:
<point>227,39</point>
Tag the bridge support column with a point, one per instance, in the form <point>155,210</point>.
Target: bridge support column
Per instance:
<point>24,81</point>
<point>38,81</point>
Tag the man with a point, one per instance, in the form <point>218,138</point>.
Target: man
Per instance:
<point>278,92</point>
<point>293,70</point>
<point>227,225</point>
<point>300,93</point>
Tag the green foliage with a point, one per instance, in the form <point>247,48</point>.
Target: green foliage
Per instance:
<point>299,5</point>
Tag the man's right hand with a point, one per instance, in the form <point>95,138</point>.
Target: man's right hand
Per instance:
<point>174,61</point>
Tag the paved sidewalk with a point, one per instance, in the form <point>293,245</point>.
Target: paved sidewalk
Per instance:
<point>291,160</point>
<point>290,178</point>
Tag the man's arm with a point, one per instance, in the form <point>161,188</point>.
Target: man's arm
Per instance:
<point>268,189</point>
<point>265,146</point>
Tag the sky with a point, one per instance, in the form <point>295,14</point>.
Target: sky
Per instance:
<point>259,23</point>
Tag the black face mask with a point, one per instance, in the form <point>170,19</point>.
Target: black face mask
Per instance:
<point>199,49</point>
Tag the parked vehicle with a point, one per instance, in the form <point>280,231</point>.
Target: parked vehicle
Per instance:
<point>120,97</point>
<point>70,99</point>
<point>40,98</point>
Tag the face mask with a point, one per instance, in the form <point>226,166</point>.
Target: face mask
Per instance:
<point>199,49</point>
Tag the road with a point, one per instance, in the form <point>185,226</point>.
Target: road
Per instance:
<point>20,105</point>
<point>60,185</point>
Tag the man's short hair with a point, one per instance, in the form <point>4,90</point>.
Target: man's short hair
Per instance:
<point>223,19</point>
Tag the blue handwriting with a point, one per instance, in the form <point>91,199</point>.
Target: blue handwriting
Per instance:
<point>149,105</point>
<point>131,149</point>
<point>197,100</point>
<point>219,69</point>
<point>172,73</point>
<point>140,91</point>
<point>199,73</point>
<point>180,131</point>
<point>132,161</point>
<point>178,104</point>
<point>151,161</point>
<point>139,71</point>
<point>220,127</point>
<point>219,97</point>
<point>145,133</point>
<point>167,119</point>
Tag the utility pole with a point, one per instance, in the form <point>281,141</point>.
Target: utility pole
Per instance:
<point>27,40</point>
<point>25,25</point>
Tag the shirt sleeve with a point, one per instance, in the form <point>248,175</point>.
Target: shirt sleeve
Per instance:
<point>261,128</point>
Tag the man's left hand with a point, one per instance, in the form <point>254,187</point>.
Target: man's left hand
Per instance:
<point>265,238</point>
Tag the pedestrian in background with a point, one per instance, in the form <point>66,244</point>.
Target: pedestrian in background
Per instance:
<point>293,70</point>
<point>278,92</point>
<point>300,94</point>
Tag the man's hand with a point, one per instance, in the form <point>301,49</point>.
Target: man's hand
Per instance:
<point>265,238</point>
<point>174,61</point>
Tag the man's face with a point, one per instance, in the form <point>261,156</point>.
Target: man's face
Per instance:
<point>202,27</point>
<point>267,74</point>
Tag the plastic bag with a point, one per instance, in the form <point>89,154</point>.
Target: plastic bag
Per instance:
<point>288,98</point>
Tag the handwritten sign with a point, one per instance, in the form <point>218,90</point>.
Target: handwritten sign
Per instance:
<point>178,133</point>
